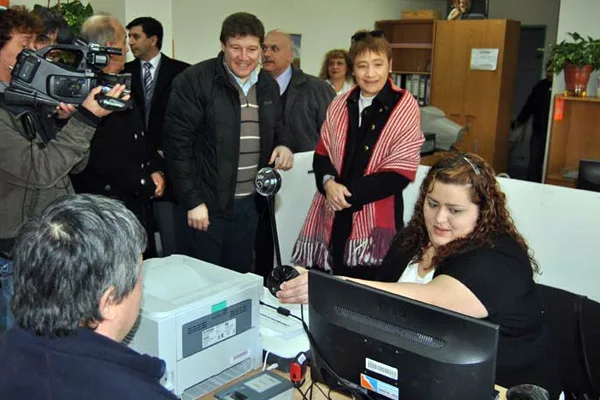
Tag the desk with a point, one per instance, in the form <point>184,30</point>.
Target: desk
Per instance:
<point>317,395</point>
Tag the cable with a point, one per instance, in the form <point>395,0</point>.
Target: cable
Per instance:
<point>316,353</point>
<point>281,310</point>
<point>265,362</point>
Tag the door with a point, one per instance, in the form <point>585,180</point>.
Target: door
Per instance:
<point>529,65</point>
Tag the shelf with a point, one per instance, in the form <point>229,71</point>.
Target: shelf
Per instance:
<point>582,99</point>
<point>423,46</point>
<point>558,179</point>
<point>407,22</point>
<point>411,73</point>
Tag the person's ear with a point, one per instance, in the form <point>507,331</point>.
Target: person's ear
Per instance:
<point>222,46</point>
<point>107,306</point>
<point>390,65</point>
<point>154,40</point>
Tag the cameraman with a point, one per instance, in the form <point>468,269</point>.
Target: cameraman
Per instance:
<point>35,161</point>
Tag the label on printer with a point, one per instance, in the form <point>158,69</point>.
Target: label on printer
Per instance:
<point>218,333</point>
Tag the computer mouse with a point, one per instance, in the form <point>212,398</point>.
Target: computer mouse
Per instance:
<point>527,392</point>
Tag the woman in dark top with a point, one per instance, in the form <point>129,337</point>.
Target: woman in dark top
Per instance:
<point>461,251</point>
<point>368,151</point>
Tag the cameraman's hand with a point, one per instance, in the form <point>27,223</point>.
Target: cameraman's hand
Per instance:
<point>64,111</point>
<point>92,105</point>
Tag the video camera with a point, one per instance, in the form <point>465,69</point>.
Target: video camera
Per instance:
<point>65,73</point>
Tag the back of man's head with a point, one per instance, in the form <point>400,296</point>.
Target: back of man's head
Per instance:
<point>242,24</point>
<point>150,27</point>
<point>66,260</point>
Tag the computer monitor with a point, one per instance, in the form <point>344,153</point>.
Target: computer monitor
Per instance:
<point>391,347</point>
<point>589,175</point>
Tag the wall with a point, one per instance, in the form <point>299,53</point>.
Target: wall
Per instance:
<point>323,24</point>
<point>537,12</point>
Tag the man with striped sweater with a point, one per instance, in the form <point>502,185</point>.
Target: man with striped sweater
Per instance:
<point>223,124</point>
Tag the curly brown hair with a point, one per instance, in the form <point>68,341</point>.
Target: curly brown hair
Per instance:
<point>336,53</point>
<point>17,19</point>
<point>464,169</point>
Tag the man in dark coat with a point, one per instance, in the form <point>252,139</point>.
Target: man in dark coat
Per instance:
<point>223,124</point>
<point>123,164</point>
<point>152,74</point>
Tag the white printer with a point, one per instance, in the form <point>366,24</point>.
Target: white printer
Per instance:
<point>200,318</point>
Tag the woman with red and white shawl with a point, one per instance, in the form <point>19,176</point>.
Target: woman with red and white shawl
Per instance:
<point>367,154</point>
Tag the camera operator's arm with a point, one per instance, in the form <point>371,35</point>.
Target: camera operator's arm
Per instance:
<point>36,164</point>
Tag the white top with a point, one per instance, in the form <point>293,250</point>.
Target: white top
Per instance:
<point>411,275</point>
<point>349,84</point>
<point>363,102</point>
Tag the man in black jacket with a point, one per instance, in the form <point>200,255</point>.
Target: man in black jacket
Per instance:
<point>223,124</point>
<point>123,163</point>
<point>304,100</point>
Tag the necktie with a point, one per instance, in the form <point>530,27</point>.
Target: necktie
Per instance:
<point>147,80</point>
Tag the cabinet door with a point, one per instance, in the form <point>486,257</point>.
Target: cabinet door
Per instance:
<point>450,67</point>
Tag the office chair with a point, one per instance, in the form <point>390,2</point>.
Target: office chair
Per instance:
<point>574,324</point>
<point>589,175</point>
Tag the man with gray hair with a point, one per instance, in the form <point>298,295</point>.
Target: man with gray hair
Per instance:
<point>124,164</point>
<point>78,289</point>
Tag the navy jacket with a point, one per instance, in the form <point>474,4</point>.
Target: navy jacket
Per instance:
<point>85,365</point>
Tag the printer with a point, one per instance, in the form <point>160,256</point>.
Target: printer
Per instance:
<point>200,318</point>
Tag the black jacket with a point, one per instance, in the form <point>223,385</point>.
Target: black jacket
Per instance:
<point>120,163</point>
<point>307,99</point>
<point>201,135</point>
<point>167,71</point>
<point>85,365</point>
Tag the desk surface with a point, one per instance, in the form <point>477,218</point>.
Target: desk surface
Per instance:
<point>316,395</point>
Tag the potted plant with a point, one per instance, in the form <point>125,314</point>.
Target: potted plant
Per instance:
<point>578,57</point>
<point>74,12</point>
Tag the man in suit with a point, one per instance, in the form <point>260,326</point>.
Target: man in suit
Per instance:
<point>304,101</point>
<point>152,73</point>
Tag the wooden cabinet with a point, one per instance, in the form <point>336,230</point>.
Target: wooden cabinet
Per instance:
<point>412,42</point>
<point>574,136</point>
<point>481,100</point>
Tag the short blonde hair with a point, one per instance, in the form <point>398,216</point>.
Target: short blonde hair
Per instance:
<point>336,53</point>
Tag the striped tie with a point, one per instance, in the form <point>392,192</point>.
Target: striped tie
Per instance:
<point>147,80</point>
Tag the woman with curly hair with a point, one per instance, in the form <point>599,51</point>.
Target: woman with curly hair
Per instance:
<point>461,251</point>
<point>337,70</point>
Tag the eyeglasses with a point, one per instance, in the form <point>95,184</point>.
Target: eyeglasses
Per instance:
<point>357,37</point>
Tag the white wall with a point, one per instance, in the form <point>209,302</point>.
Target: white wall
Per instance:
<point>324,25</point>
<point>535,12</point>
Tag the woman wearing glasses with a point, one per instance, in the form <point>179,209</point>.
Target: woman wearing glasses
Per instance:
<point>461,251</point>
<point>367,153</point>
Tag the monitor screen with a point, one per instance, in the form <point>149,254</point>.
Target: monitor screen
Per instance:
<point>391,347</point>
<point>589,175</point>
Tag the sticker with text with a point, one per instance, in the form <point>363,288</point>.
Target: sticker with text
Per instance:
<point>379,387</point>
<point>382,369</point>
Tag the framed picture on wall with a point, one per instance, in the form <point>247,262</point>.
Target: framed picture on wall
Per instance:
<point>297,39</point>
